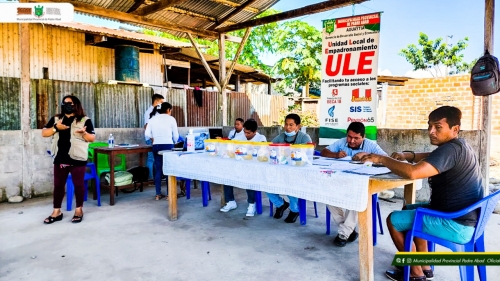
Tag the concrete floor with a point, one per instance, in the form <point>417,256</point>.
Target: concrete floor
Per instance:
<point>133,240</point>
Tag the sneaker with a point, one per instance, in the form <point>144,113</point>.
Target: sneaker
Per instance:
<point>251,210</point>
<point>231,205</point>
<point>280,210</point>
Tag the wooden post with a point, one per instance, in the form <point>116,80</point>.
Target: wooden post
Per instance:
<point>222,77</point>
<point>204,61</point>
<point>172,198</point>
<point>24,47</point>
<point>485,144</point>
<point>236,57</point>
<point>269,87</point>
<point>189,77</point>
<point>237,84</point>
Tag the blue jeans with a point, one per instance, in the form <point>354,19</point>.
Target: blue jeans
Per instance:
<point>159,164</point>
<point>229,194</point>
<point>150,160</point>
<point>278,201</point>
<point>443,228</point>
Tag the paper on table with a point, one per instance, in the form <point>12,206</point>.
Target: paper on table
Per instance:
<point>369,170</point>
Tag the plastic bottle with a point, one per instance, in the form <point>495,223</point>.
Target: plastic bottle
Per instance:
<point>190,141</point>
<point>111,141</point>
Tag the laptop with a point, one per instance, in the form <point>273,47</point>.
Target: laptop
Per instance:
<point>215,133</point>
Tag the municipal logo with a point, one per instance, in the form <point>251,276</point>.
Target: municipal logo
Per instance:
<point>329,26</point>
<point>39,11</point>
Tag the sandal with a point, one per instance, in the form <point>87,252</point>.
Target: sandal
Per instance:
<point>51,219</point>
<point>77,219</point>
<point>159,197</point>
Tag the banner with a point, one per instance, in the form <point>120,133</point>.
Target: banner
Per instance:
<point>349,76</point>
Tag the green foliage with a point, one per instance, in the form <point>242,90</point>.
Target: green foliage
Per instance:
<point>433,54</point>
<point>299,45</point>
<point>307,118</point>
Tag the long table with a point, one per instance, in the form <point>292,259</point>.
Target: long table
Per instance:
<point>344,190</point>
<point>112,152</point>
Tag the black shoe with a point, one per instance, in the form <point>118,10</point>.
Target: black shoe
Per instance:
<point>292,217</point>
<point>51,219</point>
<point>280,210</point>
<point>429,274</point>
<point>397,275</point>
<point>338,241</point>
<point>354,235</point>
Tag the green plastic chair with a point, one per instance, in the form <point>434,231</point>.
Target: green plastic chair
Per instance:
<point>103,159</point>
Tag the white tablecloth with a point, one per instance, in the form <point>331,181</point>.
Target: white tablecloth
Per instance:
<point>312,183</point>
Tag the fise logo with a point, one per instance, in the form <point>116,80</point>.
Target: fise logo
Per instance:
<point>360,109</point>
<point>331,111</point>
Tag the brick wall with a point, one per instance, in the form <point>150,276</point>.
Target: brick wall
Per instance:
<point>407,107</point>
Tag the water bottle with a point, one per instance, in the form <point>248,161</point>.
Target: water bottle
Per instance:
<point>111,141</point>
<point>190,141</point>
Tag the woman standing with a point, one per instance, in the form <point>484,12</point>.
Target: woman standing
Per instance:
<point>162,130</point>
<point>71,130</point>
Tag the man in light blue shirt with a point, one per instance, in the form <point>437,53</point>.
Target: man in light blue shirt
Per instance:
<point>356,146</point>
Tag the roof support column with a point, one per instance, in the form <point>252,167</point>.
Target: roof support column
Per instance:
<point>485,143</point>
<point>222,78</point>
<point>27,168</point>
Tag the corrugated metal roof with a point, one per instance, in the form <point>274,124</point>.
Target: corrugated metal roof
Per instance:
<point>122,34</point>
<point>207,8</point>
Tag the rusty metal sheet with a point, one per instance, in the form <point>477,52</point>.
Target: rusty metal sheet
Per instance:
<point>116,106</point>
<point>263,108</point>
<point>10,108</point>
<point>206,115</point>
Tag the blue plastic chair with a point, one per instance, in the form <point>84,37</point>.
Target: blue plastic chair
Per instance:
<point>375,214</point>
<point>302,210</point>
<point>70,188</point>
<point>317,153</point>
<point>206,195</point>
<point>476,244</point>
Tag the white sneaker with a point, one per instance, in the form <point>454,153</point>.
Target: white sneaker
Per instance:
<point>231,205</point>
<point>251,210</point>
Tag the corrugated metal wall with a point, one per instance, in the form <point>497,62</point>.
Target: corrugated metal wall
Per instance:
<point>263,108</point>
<point>66,56</point>
<point>206,115</point>
<point>10,108</point>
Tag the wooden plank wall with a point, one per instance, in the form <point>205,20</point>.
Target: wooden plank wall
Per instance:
<point>67,57</point>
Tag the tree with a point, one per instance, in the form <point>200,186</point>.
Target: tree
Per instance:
<point>299,45</point>
<point>434,54</point>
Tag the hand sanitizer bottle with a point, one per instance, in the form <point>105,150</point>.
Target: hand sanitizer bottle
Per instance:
<point>190,141</point>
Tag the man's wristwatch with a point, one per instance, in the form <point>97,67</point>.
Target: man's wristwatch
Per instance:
<point>54,129</point>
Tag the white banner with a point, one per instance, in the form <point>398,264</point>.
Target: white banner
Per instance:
<point>349,76</point>
<point>36,12</point>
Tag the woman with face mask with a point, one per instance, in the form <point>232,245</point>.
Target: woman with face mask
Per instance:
<point>162,130</point>
<point>291,135</point>
<point>71,130</point>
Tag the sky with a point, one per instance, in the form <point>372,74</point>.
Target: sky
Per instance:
<point>401,22</point>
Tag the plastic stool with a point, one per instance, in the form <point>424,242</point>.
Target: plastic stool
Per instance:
<point>375,214</point>
<point>70,188</point>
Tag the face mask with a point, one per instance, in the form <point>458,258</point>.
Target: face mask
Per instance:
<point>291,134</point>
<point>67,108</point>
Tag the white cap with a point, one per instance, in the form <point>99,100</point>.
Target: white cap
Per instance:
<point>190,131</point>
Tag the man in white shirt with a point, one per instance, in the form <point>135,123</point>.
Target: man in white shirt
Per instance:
<point>250,134</point>
<point>238,129</point>
<point>156,100</point>
<point>356,146</point>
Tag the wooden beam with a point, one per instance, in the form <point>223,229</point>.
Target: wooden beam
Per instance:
<point>233,13</point>
<point>235,5</point>
<point>203,61</point>
<point>487,112</point>
<point>158,6</point>
<point>307,10</point>
<point>130,18</point>
<point>25,101</point>
<point>222,78</point>
<point>136,5</point>
<point>236,57</point>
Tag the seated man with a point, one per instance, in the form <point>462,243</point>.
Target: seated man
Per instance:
<point>455,182</point>
<point>238,129</point>
<point>292,135</point>
<point>250,128</point>
<point>354,145</point>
